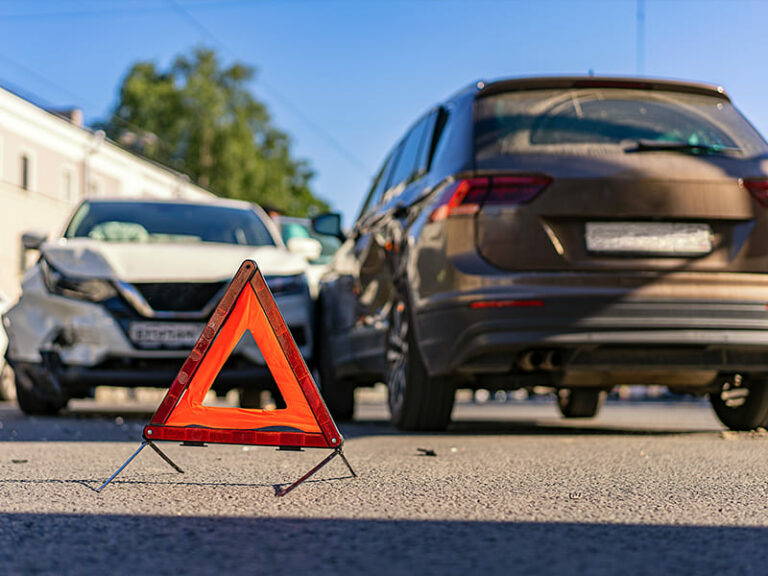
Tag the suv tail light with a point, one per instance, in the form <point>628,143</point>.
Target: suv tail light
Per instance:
<point>758,188</point>
<point>467,196</point>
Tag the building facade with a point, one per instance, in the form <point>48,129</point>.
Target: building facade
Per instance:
<point>49,162</point>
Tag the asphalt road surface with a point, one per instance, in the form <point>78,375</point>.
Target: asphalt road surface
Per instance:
<point>646,488</point>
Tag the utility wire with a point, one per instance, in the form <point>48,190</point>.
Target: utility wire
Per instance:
<point>79,100</point>
<point>149,8</point>
<point>276,95</point>
<point>63,14</point>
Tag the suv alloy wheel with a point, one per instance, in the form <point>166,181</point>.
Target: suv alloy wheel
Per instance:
<point>417,401</point>
<point>742,402</point>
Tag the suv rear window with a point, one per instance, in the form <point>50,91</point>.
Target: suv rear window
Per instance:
<point>563,121</point>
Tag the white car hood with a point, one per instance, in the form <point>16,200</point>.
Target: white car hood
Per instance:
<point>134,262</point>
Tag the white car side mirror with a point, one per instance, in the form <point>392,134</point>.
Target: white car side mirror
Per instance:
<point>309,248</point>
<point>33,240</point>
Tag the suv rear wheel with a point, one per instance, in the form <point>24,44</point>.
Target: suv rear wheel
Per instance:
<point>36,391</point>
<point>742,402</point>
<point>580,402</point>
<point>417,401</point>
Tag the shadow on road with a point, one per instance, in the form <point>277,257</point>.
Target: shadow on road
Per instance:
<point>535,427</point>
<point>133,544</point>
<point>168,480</point>
<point>119,424</point>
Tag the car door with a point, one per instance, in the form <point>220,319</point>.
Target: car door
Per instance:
<point>379,244</point>
<point>345,306</point>
<point>365,267</point>
<point>411,184</point>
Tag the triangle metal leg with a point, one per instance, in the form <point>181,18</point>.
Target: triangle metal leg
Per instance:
<point>278,491</point>
<point>162,455</point>
<point>331,456</point>
<point>130,459</point>
<point>347,463</point>
<point>143,444</point>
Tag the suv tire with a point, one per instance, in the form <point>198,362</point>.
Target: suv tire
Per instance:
<point>417,401</point>
<point>339,395</point>
<point>742,401</point>
<point>580,402</point>
<point>36,391</point>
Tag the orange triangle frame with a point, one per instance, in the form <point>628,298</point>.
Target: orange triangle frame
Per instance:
<point>247,304</point>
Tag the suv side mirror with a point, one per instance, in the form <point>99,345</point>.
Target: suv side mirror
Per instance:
<point>33,240</point>
<point>328,224</point>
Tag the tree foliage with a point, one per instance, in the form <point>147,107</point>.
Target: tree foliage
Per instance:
<point>200,118</point>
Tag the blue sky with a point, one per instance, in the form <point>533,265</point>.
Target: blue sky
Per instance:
<point>346,77</point>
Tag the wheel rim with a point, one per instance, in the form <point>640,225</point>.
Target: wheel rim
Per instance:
<point>397,356</point>
<point>734,393</point>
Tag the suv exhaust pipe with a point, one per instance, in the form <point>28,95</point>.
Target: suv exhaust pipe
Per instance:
<point>547,360</point>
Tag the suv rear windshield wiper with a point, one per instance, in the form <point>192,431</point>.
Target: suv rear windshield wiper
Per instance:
<point>672,146</point>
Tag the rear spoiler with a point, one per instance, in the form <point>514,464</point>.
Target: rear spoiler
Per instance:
<point>515,84</point>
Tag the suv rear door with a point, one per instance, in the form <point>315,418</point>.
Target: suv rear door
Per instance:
<point>640,181</point>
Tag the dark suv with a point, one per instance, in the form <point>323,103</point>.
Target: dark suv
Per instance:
<point>571,233</point>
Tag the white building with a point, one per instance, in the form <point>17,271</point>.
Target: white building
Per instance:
<point>49,163</point>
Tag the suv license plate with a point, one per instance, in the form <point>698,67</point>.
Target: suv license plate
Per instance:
<point>649,238</point>
<point>165,334</point>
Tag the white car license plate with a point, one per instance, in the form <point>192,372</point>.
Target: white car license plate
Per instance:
<point>649,238</point>
<point>165,334</point>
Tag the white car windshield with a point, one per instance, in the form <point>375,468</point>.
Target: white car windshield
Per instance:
<point>166,222</point>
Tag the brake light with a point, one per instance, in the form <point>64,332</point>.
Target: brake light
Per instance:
<point>758,188</point>
<point>467,196</point>
<point>516,189</point>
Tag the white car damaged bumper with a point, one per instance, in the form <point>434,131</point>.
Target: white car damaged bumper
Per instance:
<point>86,344</point>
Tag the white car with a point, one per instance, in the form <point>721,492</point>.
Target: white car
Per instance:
<point>122,296</point>
<point>6,389</point>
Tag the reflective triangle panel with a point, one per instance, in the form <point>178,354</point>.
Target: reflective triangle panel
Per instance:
<point>248,305</point>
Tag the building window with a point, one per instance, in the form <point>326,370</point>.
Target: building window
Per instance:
<point>94,188</point>
<point>25,172</point>
<point>68,185</point>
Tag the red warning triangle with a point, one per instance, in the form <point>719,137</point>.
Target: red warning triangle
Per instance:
<point>247,305</point>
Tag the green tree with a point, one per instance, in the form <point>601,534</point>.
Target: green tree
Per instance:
<point>200,118</point>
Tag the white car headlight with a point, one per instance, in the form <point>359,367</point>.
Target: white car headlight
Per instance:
<point>91,289</point>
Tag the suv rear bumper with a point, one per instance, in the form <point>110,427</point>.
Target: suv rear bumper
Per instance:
<point>594,334</point>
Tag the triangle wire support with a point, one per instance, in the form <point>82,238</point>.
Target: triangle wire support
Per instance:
<point>344,458</point>
<point>162,455</point>
<point>331,456</point>
<point>130,459</point>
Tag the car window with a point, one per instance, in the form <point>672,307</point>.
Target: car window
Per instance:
<point>167,222</point>
<point>293,230</point>
<point>571,120</point>
<point>411,155</point>
<point>379,184</point>
<point>428,143</point>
